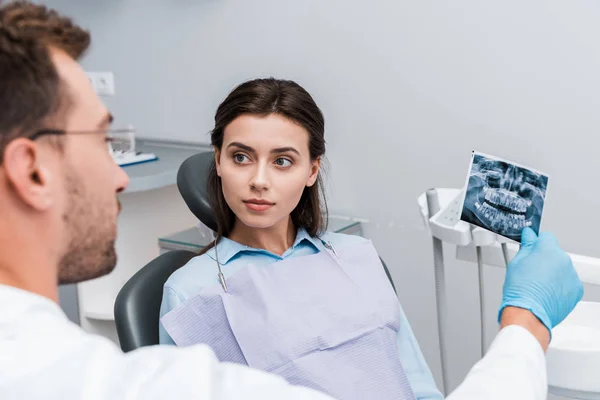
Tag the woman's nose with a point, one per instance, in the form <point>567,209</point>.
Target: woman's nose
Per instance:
<point>260,179</point>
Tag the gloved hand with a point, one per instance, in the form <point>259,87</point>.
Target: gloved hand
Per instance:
<point>541,278</point>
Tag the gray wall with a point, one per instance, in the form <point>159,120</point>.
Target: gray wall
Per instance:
<point>67,295</point>
<point>408,88</point>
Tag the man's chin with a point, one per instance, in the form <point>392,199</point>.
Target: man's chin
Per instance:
<point>74,271</point>
<point>85,276</point>
<point>105,270</point>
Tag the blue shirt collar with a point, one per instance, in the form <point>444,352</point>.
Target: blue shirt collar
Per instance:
<point>228,248</point>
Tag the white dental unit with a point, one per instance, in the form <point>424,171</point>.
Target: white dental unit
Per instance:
<point>574,353</point>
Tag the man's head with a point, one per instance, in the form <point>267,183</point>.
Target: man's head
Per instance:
<point>58,190</point>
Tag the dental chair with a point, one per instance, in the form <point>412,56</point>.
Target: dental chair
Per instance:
<point>137,306</point>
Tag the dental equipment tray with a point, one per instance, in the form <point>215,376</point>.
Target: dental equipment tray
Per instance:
<point>574,354</point>
<point>447,226</point>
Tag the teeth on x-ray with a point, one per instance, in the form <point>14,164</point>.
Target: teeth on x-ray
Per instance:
<point>500,220</point>
<point>507,200</point>
<point>503,197</point>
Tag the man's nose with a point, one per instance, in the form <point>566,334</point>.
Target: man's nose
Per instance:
<point>122,180</point>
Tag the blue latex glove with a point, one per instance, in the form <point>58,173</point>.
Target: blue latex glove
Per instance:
<point>541,278</point>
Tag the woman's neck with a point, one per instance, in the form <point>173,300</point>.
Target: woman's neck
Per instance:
<point>276,239</point>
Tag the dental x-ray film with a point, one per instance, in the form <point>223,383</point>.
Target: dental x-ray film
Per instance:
<point>503,197</point>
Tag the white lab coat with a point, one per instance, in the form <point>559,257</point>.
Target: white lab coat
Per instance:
<point>45,356</point>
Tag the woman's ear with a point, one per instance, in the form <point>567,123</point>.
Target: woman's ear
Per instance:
<point>314,172</point>
<point>218,161</point>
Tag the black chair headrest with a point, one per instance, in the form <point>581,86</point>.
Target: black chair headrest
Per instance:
<point>192,179</point>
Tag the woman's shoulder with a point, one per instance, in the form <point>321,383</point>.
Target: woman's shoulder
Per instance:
<point>195,274</point>
<point>340,240</point>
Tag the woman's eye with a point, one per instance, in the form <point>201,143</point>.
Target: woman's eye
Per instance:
<point>239,158</point>
<point>283,162</point>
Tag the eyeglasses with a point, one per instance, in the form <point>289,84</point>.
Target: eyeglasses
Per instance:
<point>119,140</point>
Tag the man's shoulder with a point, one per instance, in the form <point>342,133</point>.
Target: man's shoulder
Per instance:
<point>23,303</point>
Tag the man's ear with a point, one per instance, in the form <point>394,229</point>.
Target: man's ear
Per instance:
<point>314,172</point>
<point>26,174</point>
<point>218,161</point>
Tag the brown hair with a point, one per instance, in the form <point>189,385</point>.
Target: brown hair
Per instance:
<point>264,97</point>
<point>30,89</point>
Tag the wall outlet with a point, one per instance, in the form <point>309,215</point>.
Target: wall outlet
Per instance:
<point>103,83</point>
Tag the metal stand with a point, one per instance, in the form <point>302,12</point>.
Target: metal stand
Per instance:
<point>505,253</point>
<point>433,205</point>
<point>481,299</point>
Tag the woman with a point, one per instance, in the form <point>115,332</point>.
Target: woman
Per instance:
<point>277,292</point>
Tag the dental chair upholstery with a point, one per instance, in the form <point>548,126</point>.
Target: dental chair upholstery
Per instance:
<point>137,306</point>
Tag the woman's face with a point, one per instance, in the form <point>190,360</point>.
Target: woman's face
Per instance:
<point>264,165</point>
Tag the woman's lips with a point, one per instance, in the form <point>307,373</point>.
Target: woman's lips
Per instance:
<point>258,204</point>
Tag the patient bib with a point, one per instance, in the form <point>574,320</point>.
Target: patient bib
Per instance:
<point>328,321</point>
